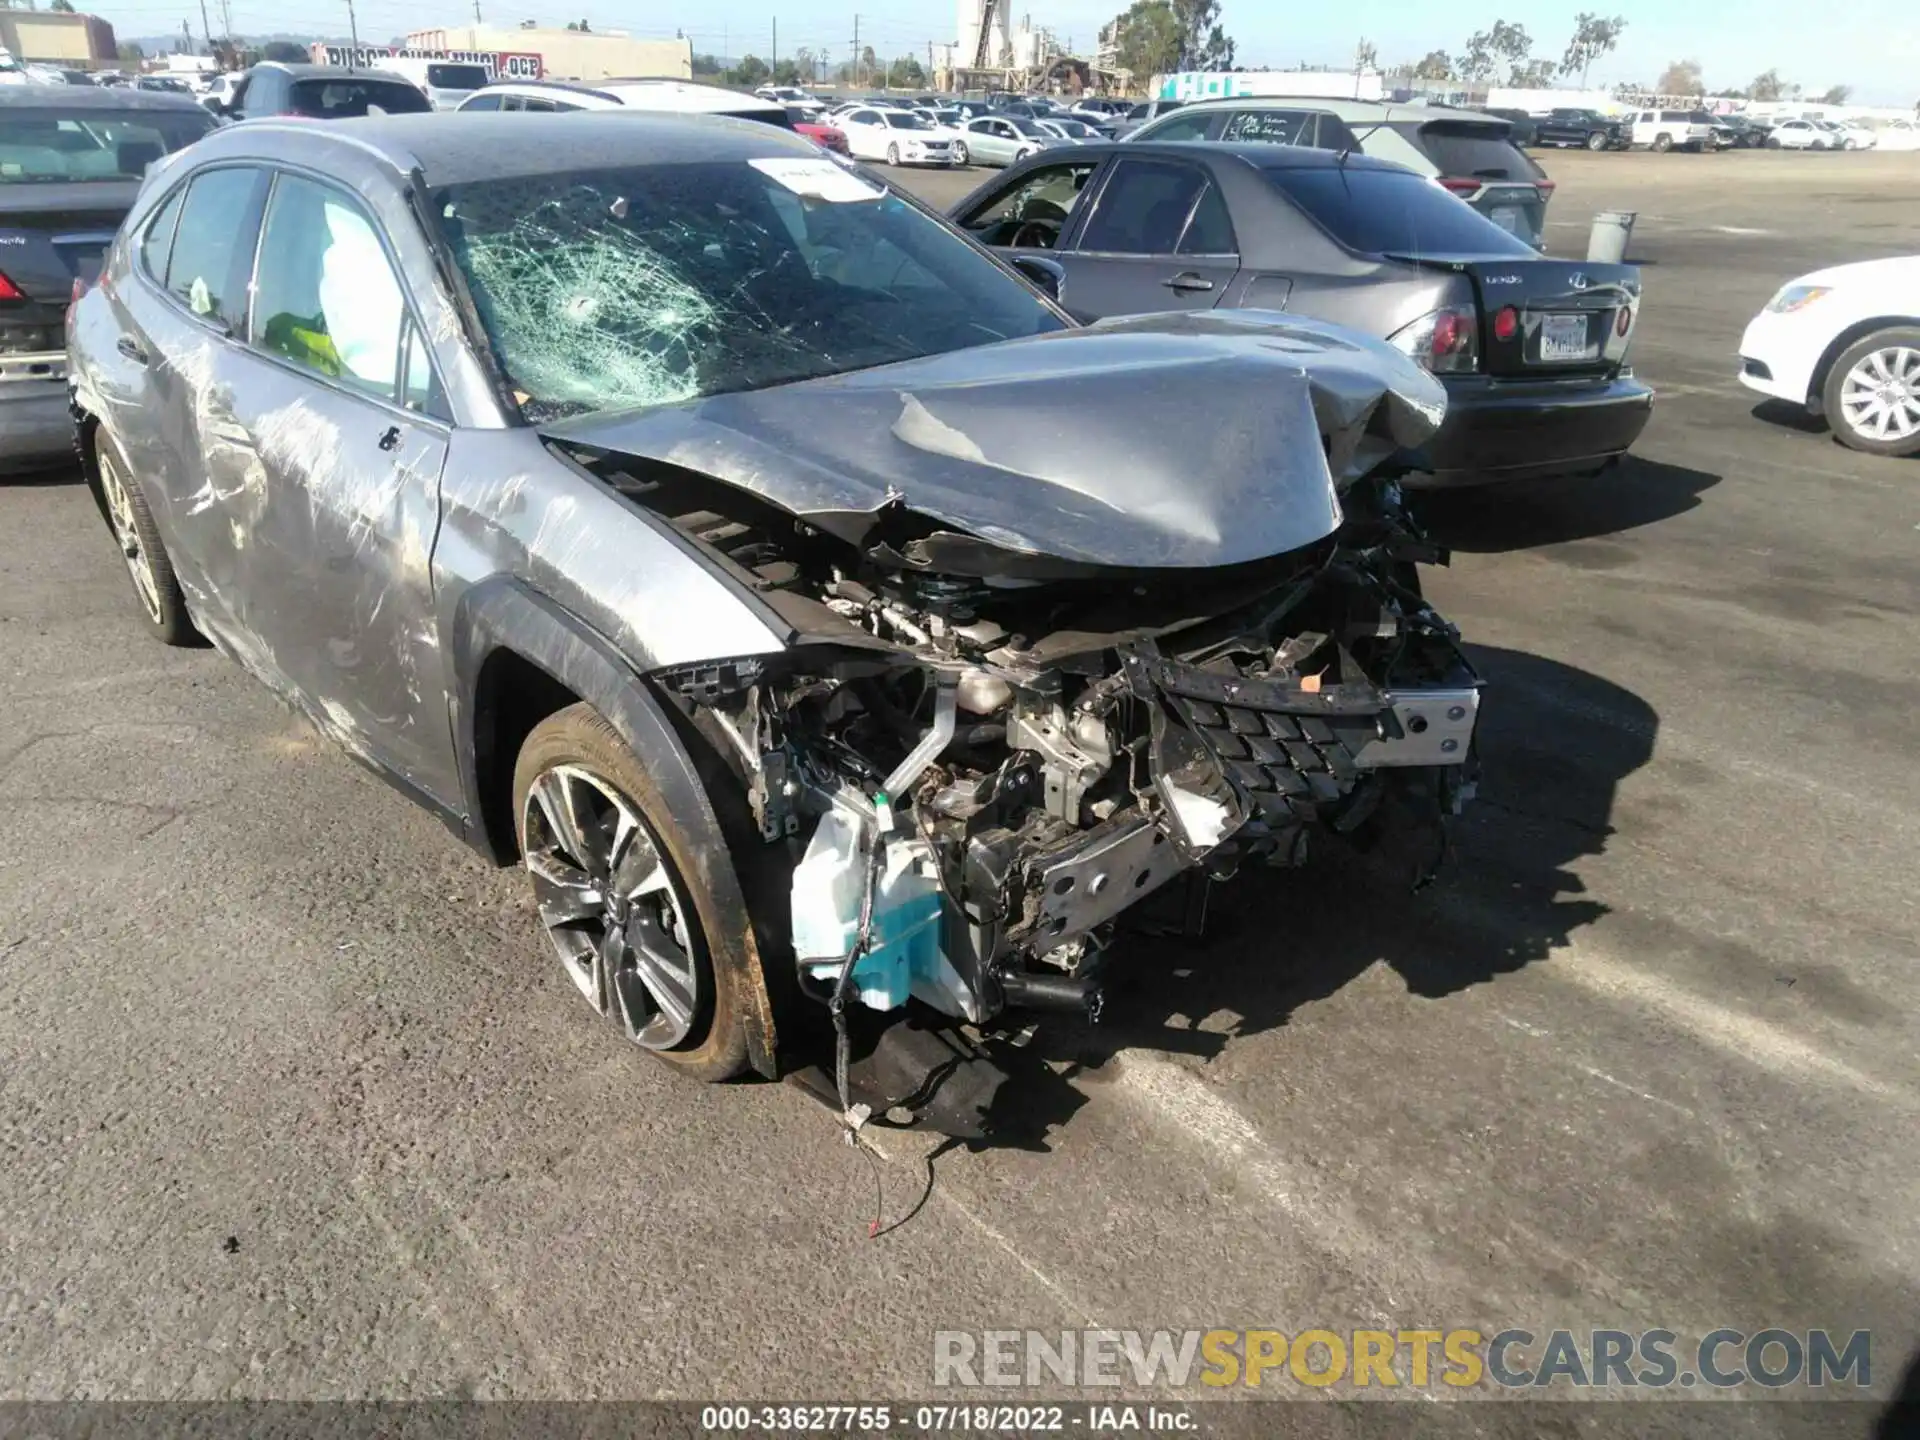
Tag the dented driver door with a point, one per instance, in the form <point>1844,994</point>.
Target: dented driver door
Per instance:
<point>336,397</point>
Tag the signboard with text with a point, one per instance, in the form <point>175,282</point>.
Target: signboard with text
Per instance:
<point>500,64</point>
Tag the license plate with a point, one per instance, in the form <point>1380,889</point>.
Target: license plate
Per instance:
<point>1507,217</point>
<point>1563,337</point>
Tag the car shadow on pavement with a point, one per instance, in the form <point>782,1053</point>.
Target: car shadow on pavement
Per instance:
<point>1555,742</point>
<point>1789,416</point>
<point>1518,515</point>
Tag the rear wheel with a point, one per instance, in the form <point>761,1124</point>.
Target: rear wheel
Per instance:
<point>145,557</point>
<point>607,863</point>
<point>1597,140</point>
<point>1662,144</point>
<point>960,156</point>
<point>1772,143</point>
<point>1872,394</point>
<point>893,154</point>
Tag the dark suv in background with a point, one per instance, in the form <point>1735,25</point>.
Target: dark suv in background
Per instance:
<point>321,92</point>
<point>71,161</point>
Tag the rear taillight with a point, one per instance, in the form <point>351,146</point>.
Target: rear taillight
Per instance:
<point>1462,184</point>
<point>1446,342</point>
<point>1506,323</point>
<point>1545,187</point>
<point>1623,322</point>
<point>9,290</point>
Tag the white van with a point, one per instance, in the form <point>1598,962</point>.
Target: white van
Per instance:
<point>445,83</point>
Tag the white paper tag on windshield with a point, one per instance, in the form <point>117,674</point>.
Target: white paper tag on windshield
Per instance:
<point>818,179</point>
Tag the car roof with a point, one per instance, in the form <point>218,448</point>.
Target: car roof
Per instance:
<point>331,72</point>
<point>1348,109</point>
<point>93,97</point>
<point>1260,155</point>
<point>454,148</point>
<point>694,95</point>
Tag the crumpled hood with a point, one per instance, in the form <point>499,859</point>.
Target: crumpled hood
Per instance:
<point>1149,441</point>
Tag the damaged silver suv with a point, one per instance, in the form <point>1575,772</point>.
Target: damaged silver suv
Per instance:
<point>810,606</point>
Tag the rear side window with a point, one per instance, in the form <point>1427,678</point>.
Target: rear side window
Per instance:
<point>1144,208</point>
<point>325,295</point>
<point>456,77</point>
<point>215,231</point>
<point>345,99</point>
<point>771,116</point>
<point>1186,127</point>
<point>482,102</point>
<point>1478,150</point>
<point>1272,127</point>
<point>157,244</point>
<point>1210,231</point>
<point>1392,212</point>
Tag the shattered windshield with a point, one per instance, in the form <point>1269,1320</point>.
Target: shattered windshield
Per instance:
<point>650,285</point>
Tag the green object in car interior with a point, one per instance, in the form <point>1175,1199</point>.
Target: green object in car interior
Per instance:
<point>304,339</point>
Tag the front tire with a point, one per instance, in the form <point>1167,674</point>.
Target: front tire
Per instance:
<point>131,523</point>
<point>959,153</point>
<point>1597,140</point>
<point>1662,144</point>
<point>607,863</point>
<point>893,155</point>
<point>1772,144</point>
<point>1872,394</point>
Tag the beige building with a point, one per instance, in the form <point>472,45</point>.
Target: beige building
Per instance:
<point>80,42</point>
<point>568,54</point>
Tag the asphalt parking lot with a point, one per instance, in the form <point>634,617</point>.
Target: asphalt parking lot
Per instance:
<point>296,1105</point>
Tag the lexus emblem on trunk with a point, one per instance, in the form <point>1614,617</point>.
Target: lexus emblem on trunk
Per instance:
<point>1578,282</point>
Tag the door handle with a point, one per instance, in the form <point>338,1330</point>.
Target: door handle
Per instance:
<point>1187,280</point>
<point>390,438</point>
<point>131,348</point>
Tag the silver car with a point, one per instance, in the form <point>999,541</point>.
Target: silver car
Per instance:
<point>1001,140</point>
<point>818,614</point>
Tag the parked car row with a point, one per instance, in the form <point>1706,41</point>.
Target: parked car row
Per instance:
<point>1663,130</point>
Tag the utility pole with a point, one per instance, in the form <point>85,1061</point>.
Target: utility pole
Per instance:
<point>206,30</point>
<point>774,63</point>
<point>856,52</point>
<point>353,27</point>
<point>186,29</point>
<point>476,12</point>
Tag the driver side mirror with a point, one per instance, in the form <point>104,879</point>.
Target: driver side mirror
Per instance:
<point>1049,275</point>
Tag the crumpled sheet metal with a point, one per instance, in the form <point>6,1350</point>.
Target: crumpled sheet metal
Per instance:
<point>1164,441</point>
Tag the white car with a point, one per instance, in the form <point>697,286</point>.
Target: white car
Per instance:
<point>1899,135</point>
<point>899,137</point>
<point>1845,343</point>
<point>1855,136</point>
<point>1799,135</point>
<point>682,97</point>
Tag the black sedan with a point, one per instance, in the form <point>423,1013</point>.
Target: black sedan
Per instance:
<point>1532,351</point>
<point>73,160</point>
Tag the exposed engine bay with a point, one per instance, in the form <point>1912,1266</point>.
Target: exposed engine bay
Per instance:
<point>977,774</point>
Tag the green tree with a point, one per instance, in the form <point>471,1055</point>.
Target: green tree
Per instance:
<point>1437,66</point>
<point>706,65</point>
<point>806,66</point>
<point>1837,95</point>
<point>1593,36</point>
<point>751,71</point>
<point>1486,49</point>
<point>64,7</point>
<point>1533,75</point>
<point>1203,41</point>
<point>785,72</point>
<point>1148,40</point>
<point>286,51</point>
<point>1767,86</point>
<point>906,74</point>
<point>1366,56</point>
<point>130,52</point>
<point>1682,77</point>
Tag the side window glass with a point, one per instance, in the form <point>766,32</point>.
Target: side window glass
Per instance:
<point>482,102</point>
<point>157,244</point>
<point>1143,209</point>
<point>419,392</point>
<point>1269,127</point>
<point>544,107</point>
<point>1210,231</point>
<point>212,235</point>
<point>1194,127</point>
<point>509,102</point>
<point>325,296</point>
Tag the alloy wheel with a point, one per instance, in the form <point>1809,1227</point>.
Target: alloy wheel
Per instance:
<point>1880,397</point>
<point>609,902</point>
<point>126,534</point>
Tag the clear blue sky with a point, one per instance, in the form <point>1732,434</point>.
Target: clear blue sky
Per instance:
<point>1873,45</point>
